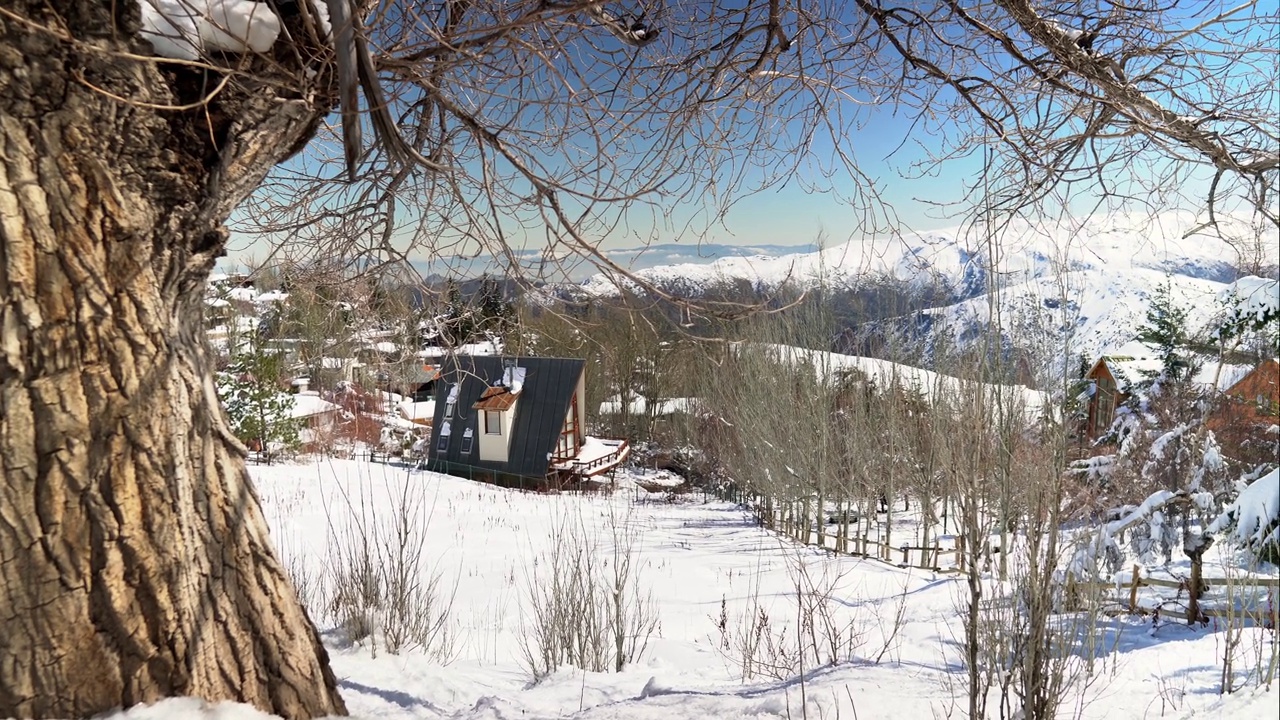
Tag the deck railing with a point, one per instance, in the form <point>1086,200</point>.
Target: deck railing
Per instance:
<point>613,458</point>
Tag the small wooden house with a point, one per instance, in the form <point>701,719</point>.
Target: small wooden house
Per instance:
<point>319,420</point>
<point>516,421</point>
<point>1109,385</point>
<point>1113,379</point>
<point>1252,402</point>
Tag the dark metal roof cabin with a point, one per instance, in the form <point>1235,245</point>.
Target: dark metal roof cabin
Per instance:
<point>485,404</point>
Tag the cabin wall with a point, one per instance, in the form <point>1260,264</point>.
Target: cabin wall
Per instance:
<point>495,448</point>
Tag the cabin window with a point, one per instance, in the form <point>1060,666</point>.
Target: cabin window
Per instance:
<point>443,443</point>
<point>492,422</point>
<point>1106,405</point>
<point>1265,406</point>
<point>466,442</point>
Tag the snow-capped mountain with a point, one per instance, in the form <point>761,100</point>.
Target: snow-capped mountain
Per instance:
<point>961,258</point>
<point>635,258</point>
<point>1066,291</point>
<point>1086,312</point>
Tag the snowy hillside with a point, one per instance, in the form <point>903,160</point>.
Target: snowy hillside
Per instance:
<point>708,564</point>
<point>958,257</point>
<point>1088,313</point>
<point>886,374</point>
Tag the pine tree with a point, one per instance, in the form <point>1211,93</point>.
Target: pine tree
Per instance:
<point>259,412</point>
<point>458,325</point>
<point>1166,331</point>
<point>495,312</point>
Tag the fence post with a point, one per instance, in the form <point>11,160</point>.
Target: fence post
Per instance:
<point>1133,590</point>
<point>960,558</point>
<point>1193,589</point>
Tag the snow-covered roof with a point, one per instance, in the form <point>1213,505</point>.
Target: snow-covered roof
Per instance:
<point>243,294</point>
<point>1131,370</point>
<point>484,347</point>
<point>397,422</point>
<point>308,404</point>
<point>423,411</point>
<point>274,296</point>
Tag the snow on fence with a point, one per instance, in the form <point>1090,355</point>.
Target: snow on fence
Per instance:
<point>1253,599</point>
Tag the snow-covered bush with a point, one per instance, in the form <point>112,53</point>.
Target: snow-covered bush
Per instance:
<point>1253,519</point>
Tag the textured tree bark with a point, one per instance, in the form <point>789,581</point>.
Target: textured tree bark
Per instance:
<point>135,563</point>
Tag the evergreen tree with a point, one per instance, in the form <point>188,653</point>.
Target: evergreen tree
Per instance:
<point>496,315</point>
<point>250,392</point>
<point>1166,331</point>
<point>1254,313</point>
<point>457,325</point>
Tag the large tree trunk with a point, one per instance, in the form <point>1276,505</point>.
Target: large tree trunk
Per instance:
<point>135,563</point>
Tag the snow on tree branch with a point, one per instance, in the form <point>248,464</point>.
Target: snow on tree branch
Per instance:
<point>184,29</point>
<point>1254,517</point>
<point>1252,302</point>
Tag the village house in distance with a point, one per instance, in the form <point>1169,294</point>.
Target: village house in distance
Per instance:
<point>517,422</point>
<point>1250,395</point>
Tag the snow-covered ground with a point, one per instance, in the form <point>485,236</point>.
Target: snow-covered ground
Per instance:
<point>485,543</point>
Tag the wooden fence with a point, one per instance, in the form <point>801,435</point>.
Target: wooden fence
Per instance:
<point>933,557</point>
<point>1264,612</point>
<point>953,560</point>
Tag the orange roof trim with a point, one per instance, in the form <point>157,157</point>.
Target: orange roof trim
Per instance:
<point>496,398</point>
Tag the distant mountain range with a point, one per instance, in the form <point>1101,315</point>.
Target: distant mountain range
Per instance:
<point>1082,290</point>
<point>960,258</point>
<point>635,258</point>
<point>1083,313</point>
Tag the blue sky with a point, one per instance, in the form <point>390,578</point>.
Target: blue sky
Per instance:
<point>885,147</point>
<point>793,214</point>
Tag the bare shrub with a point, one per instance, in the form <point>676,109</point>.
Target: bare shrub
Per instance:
<point>634,617</point>
<point>580,613</point>
<point>417,613</point>
<point>382,590</point>
<point>826,629</point>
<point>307,582</point>
<point>356,595</point>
